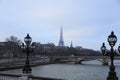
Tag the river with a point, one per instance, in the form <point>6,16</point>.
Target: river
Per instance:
<point>88,70</point>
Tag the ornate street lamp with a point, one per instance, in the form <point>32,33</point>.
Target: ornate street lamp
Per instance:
<point>112,39</point>
<point>119,48</point>
<point>103,49</point>
<point>28,48</point>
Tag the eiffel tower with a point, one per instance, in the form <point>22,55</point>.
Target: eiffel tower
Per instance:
<point>61,42</point>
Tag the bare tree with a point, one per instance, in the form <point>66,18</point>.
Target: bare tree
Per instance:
<point>13,43</point>
<point>14,39</point>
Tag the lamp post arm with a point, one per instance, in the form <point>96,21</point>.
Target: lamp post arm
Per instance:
<point>27,54</point>
<point>112,56</point>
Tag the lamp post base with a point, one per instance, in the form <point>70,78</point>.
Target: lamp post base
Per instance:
<point>112,74</point>
<point>27,69</point>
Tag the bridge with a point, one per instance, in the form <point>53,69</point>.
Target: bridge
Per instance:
<point>78,59</point>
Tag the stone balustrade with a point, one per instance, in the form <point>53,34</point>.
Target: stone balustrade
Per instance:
<point>22,77</point>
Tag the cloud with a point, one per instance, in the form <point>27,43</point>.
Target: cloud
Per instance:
<point>45,14</point>
<point>80,32</point>
<point>83,21</point>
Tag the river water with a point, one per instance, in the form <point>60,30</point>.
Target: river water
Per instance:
<point>88,70</point>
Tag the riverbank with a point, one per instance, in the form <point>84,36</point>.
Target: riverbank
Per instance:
<point>19,64</point>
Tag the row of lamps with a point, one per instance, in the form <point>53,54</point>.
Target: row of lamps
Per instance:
<point>112,39</point>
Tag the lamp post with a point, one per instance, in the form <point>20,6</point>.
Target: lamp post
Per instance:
<point>28,48</point>
<point>112,39</point>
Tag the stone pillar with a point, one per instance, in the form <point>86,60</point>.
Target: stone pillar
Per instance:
<point>25,77</point>
<point>78,61</point>
<point>105,63</point>
<point>50,60</point>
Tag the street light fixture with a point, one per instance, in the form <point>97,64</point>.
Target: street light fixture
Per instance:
<point>112,39</point>
<point>119,48</point>
<point>103,49</point>
<point>28,48</point>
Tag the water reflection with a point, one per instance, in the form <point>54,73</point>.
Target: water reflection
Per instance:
<point>89,70</point>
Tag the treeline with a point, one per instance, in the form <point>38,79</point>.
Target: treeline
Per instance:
<point>12,48</point>
<point>65,51</point>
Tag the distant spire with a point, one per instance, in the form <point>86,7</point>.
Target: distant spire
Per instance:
<point>61,34</point>
<point>71,45</point>
<point>61,42</point>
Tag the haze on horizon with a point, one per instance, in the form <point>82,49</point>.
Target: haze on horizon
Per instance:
<point>86,23</point>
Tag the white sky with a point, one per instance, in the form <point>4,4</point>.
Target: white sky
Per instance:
<point>86,23</point>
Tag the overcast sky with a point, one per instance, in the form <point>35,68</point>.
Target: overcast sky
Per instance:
<point>86,23</point>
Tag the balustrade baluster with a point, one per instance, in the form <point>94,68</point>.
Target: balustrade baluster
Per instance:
<point>17,77</point>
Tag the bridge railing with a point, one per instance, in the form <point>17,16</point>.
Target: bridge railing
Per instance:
<point>9,76</point>
<point>38,78</point>
<point>19,77</point>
